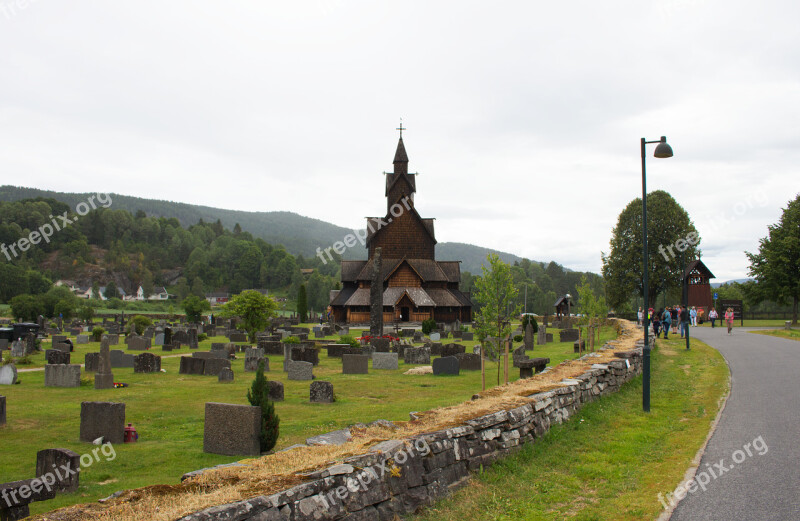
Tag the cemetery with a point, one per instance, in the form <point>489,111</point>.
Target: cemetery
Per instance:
<point>310,398</point>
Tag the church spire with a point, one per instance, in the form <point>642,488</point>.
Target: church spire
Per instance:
<point>400,157</point>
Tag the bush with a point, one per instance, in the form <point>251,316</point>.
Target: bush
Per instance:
<point>532,320</point>
<point>201,337</point>
<point>291,340</point>
<point>349,339</point>
<point>518,338</point>
<point>428,326</point>
<point>139,323</point>
<point>97,333</point>
<point>258,396</point>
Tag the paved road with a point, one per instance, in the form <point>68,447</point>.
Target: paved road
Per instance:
<point>764,404</point>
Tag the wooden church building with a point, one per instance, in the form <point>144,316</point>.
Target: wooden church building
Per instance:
<point>698,281</point>
<point>416,286</point>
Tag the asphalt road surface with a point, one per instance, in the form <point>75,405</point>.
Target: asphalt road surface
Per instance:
<point>751,467</point>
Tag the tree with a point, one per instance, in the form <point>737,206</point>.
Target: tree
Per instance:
<point>95,290</point>
<point>671,239</point>
<point>592,308</point>
<point>776,266</point>
<point>86,311</point>
<point>258,396</point>
<point>194,307</point>
<point>495,291</point>
<point>253,308</point>
<point>302,303</point>
<point>26,308</point>
<point>111,290</point>
<point>139,323</point>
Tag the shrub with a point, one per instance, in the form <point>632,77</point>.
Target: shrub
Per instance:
<point>97,333</point>
<point>291,340</point>
<point>201,337</point>
<point>532,320</point>
<point>518,338</point>
<point>428,326</point>
<point>349,339</point>
<point>258,396</point>
<point>139,323</point>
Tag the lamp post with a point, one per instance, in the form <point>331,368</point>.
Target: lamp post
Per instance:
<point>685,301</point>
<point>663,150</point>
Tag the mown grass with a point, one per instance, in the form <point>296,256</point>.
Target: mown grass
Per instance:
<point>168,411</point>
<point>611,460</point>
<point>793,334</point>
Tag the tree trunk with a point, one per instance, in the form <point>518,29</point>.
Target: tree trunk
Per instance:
<point>483,367</point>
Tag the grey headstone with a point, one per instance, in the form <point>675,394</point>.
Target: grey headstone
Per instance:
<point>104,378</point>
<point>213,366</point>
<point>385,361</point>
<point>56,356</point>
<point>321,392</point>
<point>251,364</point>
<point>146,363</point>
<point>568,335</point>
<point>226,374</point>
<point>275,390</point>
<point>417,355</point>
<point>469,361</point>
<point>62,346</point>
<point>254,353</point>
<point>91,362</point>
<point>232,430</point>
<point>238,337</point>
<point>3,344</point>
<point>192,365</point>
<point>467,335</point>
<point>82,339</point>
<point>8,374</point>
<point>17,348</point>
<point>452,350</point>
<point>435,337</point>
<point>159,339</point>
<point>62,375</point>
<point>138,343</point>
<point>355,364</point>
<point>63,459</point>
<point>120,359</point>
<point>102,419</point>
<point>381,345</point>
<point>300,371</point>
<point>447,365</point>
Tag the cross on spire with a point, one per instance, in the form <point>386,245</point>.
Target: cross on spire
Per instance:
<point>401,128</point>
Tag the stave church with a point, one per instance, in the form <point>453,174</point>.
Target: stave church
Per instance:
<point>416,286</point>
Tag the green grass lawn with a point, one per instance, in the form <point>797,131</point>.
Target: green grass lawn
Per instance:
<point>749,323</point>
<point>610,461</point>
<point>168,409</point>
<point>793,334</point>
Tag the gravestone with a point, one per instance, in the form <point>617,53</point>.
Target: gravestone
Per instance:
<point>451,350</point>
<point>519,355</point>
<point>305,354</point>
<point>529,336</point>
<point>120,359</point>
<point>385,361</point>
<point>446,365</point>
<point>3,344</point>
<point>528,368</point>
<point>418,336</point>
<point>579,346</point>
<point>436,349</point>
<point>168,335</point>
<point>238,337</point>
<point>335,350</point>
<point>59,338</point>
<point>56,356</point>
<point>318,333</point>
<point>103,378</point>
<point>271,347</point>
<point>82,339</point>
<point>457,333</point>
<point>381,345</point>
<point>469,361</point>
<point>467,335</point>
<point>321,392</point>
<point>65,461</point>
<point>18,349</point>
<point>62,375</point>
<point>300,371</point>
<point>213,366</point>
<point>2,410</point>
<point>159,339</point>
<point>193,344</point>
<point>435,337</point>
<point>102,419</point>
<point>30,343</point>
<point>275,390</point>
<point>232,430</point>
<point>138,343</point>
<point>91,362</point>
<point>206,355</point>
<point>63,346</point>
<point>568,335</point>
<point>146,363</point>
<point>253,353</point>
<point>113,340</point>
<point>226,375</point>
<point>192,365</point>
<point>549,338</point>
<point>355,364</point>
<point>251,364</point>
<point>180,336</point>
<point>417,355</point>
<point>541,336</point>
<point>8,374</point>
<point>166,348</point>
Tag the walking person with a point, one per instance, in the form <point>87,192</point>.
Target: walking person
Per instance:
<point>729,319</point>
<point>673,313</point>
<point>686,319</point>
<point>640,315</point>
<point>693,316</point>
<point>666,320</point>
<point>657,323</point>
<point>713,316</point>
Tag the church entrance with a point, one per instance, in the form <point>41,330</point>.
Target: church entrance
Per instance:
<point>404,313</point>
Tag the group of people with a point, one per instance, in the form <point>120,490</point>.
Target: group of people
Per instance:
<point>679,318</point>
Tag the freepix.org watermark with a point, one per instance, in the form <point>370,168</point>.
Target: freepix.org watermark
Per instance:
<point>713,471</point>
<point>58,475</point>
<point>10,8</point>
<point>373,225</point>
<point>56,224</point>
<point>419,448</point>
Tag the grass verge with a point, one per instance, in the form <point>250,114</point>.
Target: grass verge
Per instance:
<point>610,461</point>
<point>792,334</point>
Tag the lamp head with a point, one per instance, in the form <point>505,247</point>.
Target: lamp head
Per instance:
<point>663,150</point>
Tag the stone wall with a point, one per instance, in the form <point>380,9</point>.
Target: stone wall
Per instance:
<point>398,477</point>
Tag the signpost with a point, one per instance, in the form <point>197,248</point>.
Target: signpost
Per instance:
<point>736,305</point>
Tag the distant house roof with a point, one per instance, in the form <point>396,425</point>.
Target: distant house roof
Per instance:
<point>560,301</point>
<point>218,294</point>
<point>699,266</point>
<point>159,289</point>
<point>307,271</point>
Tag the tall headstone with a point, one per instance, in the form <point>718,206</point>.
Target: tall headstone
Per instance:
<point>193,338</point>
<point>104,419</point>
<point>528,336</point>
<point>541,336</point>
<point>376,296</point>
<point>103,378</point>
<point>232,430</point>
<point>2,410</point>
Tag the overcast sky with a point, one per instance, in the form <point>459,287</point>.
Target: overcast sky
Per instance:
<point>523,118</point>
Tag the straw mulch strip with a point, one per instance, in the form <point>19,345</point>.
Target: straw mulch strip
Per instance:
<point>270,474</point>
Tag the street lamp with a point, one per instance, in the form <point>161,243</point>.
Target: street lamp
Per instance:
<point>568,296</point>
<point>663,150</point>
